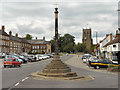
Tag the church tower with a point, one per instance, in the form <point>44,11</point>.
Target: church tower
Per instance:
<point>87,38</point>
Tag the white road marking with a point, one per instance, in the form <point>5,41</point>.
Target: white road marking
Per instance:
<point>91,77</point>
<point>23,80</point>
<point>26,77</point>
<point>17,84</point>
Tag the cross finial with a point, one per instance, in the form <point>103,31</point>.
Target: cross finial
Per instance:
<point>56,5</point>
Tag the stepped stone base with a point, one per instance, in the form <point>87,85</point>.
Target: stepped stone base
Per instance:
<point>56,68</point>
<point>69,74</point>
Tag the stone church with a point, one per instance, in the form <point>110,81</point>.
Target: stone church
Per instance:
<point>87,38</point>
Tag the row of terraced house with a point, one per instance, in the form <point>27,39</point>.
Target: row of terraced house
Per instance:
<point>15,44</point>
<point>109,47</point>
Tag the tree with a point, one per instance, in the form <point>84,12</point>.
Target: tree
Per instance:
<point>80,47</point>
<point>92,48</point>
<point>64,42</point>
<point>69,48</point>
<point>28,37</point>
<point>52,45</point>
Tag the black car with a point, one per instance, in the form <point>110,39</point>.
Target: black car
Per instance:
<point>100,63</point>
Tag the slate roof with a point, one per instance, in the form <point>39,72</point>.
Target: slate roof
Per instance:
<point>3,33</point>
<point>116,40</point>
<point>14,38</point>
<point>38,41</point>
<point>24,40</point>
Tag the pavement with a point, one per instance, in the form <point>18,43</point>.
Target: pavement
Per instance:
<point>77,62</point>
<point>19,77</point>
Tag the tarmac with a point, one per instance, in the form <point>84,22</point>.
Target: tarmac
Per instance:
<point>76,61</point>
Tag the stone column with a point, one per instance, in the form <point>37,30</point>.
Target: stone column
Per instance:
<point>56,32</point>
<point>56,68</point>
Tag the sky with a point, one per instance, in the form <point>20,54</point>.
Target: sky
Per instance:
<point>37,18</point>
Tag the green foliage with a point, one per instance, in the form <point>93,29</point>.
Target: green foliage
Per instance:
<point>69,48</point>
<point>30,52</point>
<point>92,48</point>
<point>42,52</point>
<point>28,37</point>
<point>80,47</point>
<point>52,45</point>
<point>65,43</point>
<point>110,66</point>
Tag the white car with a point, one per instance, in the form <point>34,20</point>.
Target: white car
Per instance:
<point>43,56</point>
<point>84,59</point>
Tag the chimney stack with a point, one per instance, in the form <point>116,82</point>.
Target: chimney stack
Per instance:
<point>116,31</point>
<point>111,37</point>
<point>16,34</point>
<point>10,33</point>
<point>44,38</point>
<point>107,35</point>
<point>3,28</point>
<point>36,38</point>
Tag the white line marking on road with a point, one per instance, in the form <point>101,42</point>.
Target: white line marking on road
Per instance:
<point>91,77</point>
<point>17,84</point>
<point>26,77</point>
<point>23,80</point>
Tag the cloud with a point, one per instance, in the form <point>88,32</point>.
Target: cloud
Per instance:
<point>38,18</point>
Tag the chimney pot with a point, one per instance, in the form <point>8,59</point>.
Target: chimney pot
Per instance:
<point>44,38</point>
<point>10,33</point>
<point>116,31</point>
<point>16,34</point>
<point>3,28</point>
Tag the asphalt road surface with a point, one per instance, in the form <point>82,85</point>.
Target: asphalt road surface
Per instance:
<point>19,77</point>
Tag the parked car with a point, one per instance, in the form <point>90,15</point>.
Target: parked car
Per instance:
<point>2,55</point>
<point>51,55</point>
<point>43,56</point>
<point>20,57</point>
<point>115,61</point>
<point>37,57</point>
<point>47,56</point>
<point>85,57</point>
<point>100,63</point>
<point>23,58</point>
<point>28,58</point>
<point>12,56</point>
<point>12,62</point>
<point>32,58</point>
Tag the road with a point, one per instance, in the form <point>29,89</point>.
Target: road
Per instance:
<point>19,77</point>
<point>10,76</point>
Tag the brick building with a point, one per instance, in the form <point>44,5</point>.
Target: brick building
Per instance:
<point>40,46</point>
<point>15,44</point>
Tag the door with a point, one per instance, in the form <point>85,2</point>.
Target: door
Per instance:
<point>17,62</point>
<point>14,62</point>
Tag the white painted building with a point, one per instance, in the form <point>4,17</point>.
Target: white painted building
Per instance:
<point>103,48</point>
<point>113,48</point>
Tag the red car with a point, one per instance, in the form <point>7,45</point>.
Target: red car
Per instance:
<point>12,62</point>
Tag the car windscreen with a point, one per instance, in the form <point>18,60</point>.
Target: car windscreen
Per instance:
<point>8,60</point>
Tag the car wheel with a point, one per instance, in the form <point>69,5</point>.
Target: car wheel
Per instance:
<point>19,65</point>
<point>4,66</point>
<point>97,67</point>
<point>12,65</point>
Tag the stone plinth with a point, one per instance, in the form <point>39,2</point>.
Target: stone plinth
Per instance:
<point>56,68</point>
